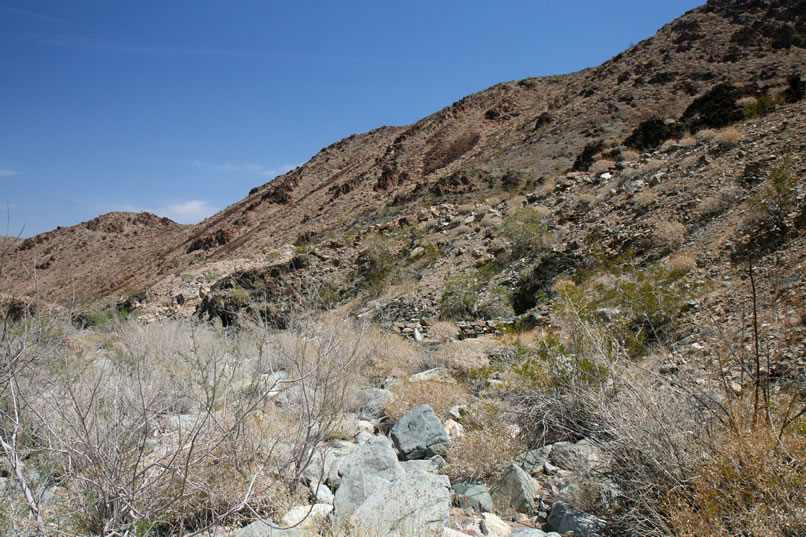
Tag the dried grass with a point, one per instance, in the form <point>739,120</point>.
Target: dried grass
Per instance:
<point>669,233</point>
<point>441,396</point>
<point>729,136</point>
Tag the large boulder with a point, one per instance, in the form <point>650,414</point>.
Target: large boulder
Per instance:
<point>419,434</point>
<point>533,461</point>
<point>517,490</point>
<point>416,504</point>
<point>370,468</point>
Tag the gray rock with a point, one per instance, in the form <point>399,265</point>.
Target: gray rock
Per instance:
<point>532,461</point>
<point>515,489</point>
<point>261,529</point>
<point>419,434</point>
<point>321,493</point>
<point>582,457</point>
<point>437,374</point>
<point>372,401</point>
<point>416,504</point>
<point>473,496</point>
<point>326,462</point>
<point>563,519</point>
<point>370,468</point>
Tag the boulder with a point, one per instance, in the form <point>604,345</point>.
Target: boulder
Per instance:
<point>473,496</point>
<point>437,374</point>
<point>307,516</point>
<point>370,468</point>
<point>528,532</point>
<point>517,490</point>
<point>416,504</point>
<point>419,434</point>
<point>564,519</point>
<point>582,457</point>
<point>371,403</point>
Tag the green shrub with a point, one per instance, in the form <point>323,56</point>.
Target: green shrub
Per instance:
<point>460,295</point>
<point>526,231</point>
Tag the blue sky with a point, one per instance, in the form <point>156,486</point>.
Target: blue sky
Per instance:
<point>180,108</point>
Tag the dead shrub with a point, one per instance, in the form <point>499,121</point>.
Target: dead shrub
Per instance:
<point>487,448</point>
<point>651,166</point>
<point>441,396</point>
<point>669,233</point>
<point>645,197</point>
<point>396,357</point>
<point>687,142</point>
<point>668,145</point>
<point>716,204</point>
<point>690,161</point>
<point>601,166</point>
<point>729,136</point>
<point>681,262</point>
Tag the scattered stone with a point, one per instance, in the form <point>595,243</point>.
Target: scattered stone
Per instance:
<point>454,429</point>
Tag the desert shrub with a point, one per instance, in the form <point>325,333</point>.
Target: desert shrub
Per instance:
<point>651,166</point>
<point>526,231</point>
<point>601,166</point>
<point>487,447</point>
<point>690,161</point>
<point>716,204</point>
<point>441,396</point>
<point>460,295</point>
<point>669,233</point>
<point>681,262</point>
<point>755,106</point>
<point>175,430</point>
<point>687,141</point>
<point>630,155</point>
<point>779,195</point>
<point>752,484</point>
<point>706,135</point>
<point>645,197</point>
<point>729,136</point>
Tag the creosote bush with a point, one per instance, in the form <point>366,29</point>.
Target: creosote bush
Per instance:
<point>526,231</point>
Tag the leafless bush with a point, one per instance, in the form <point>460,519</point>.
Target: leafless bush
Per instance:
<point>184,426</point>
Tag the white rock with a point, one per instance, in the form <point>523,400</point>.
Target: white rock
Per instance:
<point>307,516</point>
<point>493,526</point>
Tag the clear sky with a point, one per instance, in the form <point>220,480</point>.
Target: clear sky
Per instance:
<point>180,107</point>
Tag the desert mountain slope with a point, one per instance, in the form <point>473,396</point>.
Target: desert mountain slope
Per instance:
<point>509,140</point>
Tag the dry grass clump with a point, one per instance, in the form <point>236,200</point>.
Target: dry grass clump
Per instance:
<point>465,355</point>
<point>396,357</point>
<point>683,261</point>
<point>729,136</point>
<point>601,166</point>
<point>690,161</point>
<point>441,396</point>
<point>706,135</point>
<point>487,448</point>
<point>751,484</point>
<point>687,141</point>
<point>668,145</point>
<point>630,155</point>
<point>716,204</point>
<point>669,233</point>
<point>651,166</point>
<point>645,197</point>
